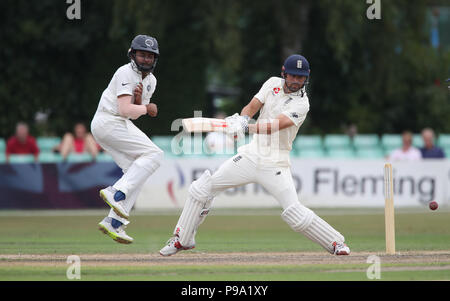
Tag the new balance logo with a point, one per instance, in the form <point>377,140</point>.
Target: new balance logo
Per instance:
<point>237,158</point>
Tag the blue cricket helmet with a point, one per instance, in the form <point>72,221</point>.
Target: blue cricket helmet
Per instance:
<point>296,64</point>
<point>144,43</point>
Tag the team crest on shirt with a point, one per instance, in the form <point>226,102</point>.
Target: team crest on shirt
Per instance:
<point>276,91</point>
<point>148,88</point>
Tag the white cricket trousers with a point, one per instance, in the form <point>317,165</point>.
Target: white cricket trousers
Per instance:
<point>240,170</point>
<point>133,152</point>
<point>278,182</point>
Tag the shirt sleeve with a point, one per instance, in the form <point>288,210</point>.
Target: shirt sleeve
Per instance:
<point>297,112</point>
<point>33,146</point>
<point>393,155</point>
<point>9,146</point>
<point>124,84</point>
<point>129,110</point>
<point>266,88</point>
<point>418,155</point>
<point>153,86</point>
<point>148,96</point>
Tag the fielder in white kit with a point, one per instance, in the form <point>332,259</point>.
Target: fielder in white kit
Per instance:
<point>128,97</point>
<point>265,160</point>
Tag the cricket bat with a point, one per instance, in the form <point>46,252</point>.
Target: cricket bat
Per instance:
<point>204,125</point>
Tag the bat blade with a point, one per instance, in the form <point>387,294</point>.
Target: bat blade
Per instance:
<point>204,125</point>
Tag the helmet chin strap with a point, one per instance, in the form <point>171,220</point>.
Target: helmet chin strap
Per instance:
<point>134,66</point>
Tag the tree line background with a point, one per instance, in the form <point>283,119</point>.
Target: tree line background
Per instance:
<point>381,75</point>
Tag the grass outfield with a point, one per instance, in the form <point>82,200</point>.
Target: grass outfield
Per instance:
<point>225,273</point>
<point>229,247</point>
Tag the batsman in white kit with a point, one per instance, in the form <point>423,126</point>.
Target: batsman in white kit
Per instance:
<point>283,105</point>
<point>128,97</point>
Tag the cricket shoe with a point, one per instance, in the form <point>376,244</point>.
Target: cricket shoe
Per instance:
<point>173,246</point>
<point>107,195</point>
<point>341,248</point>
<point>118,234</point>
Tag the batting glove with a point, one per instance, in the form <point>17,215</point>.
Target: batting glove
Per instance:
<point>237,125</point>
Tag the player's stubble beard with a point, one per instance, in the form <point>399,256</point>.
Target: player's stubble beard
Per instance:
<point>144,64</point>
<point>291,87</point>
<point>147,66</point>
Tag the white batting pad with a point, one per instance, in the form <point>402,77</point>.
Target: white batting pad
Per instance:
<point>205,211</point>
<point>201,188</point>
<point>305,221</point>
<point>189,220</point>
<point>195,209</point>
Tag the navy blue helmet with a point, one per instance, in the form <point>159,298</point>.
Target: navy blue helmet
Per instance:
<point>296,64</point>
<point>143,43</point>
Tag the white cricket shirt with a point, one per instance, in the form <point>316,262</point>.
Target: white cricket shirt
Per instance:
<point>274,148</point>
<point>411,154</point>
<point>123,82</point>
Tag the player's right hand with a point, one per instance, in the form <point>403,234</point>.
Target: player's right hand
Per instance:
<point>237,124</point>
<point>152,109</point>
<point>232,118</point>
<point>232,124</point>
<point>234,129</point>
<point>137,93</point>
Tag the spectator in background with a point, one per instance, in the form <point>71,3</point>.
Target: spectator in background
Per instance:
<point>407,152</point>
<point>79,141</point>
<point>219,143</point>
<point>351,130</point>
<point>429,150</point>
<point>22,143</point>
